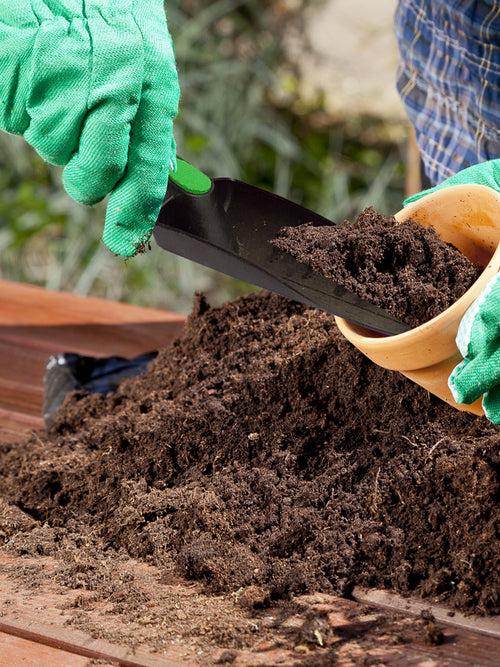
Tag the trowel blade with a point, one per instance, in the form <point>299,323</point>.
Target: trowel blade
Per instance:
<point>229,229</point>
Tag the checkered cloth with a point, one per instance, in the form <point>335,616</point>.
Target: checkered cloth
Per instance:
<point>449,80</point>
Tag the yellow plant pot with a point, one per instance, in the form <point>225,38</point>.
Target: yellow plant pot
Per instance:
<point>468,216</point>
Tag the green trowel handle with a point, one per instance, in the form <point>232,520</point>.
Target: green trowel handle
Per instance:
<point>189,179</point>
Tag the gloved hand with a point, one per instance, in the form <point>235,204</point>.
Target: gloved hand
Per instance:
<point>478,337</point>
<point>478,340</point>
<point>92,85</point>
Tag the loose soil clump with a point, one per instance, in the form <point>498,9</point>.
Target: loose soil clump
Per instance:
<point>262,452</point>
<point>406,268</point>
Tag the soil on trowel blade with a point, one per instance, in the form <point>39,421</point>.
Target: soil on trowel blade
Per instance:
<point>262,450</point>
<point>406,268</point>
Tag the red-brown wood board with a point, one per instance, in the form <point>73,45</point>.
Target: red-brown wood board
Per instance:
<point>35,323</point>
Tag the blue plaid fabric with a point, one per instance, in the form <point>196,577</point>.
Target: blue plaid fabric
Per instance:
<point>449,80</point>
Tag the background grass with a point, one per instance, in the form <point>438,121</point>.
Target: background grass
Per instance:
<point>240,117</point>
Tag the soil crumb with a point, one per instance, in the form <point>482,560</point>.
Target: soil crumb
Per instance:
<point>261,453</point>
<point>433,633</point>
<point>404,268</point>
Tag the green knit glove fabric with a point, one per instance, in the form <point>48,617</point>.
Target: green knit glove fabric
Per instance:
<point>484,173</point>
<point>478,340</point>
<point>92,86</point>
<point>478,337</point>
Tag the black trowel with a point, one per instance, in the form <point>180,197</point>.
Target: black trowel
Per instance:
<point>227,225</point>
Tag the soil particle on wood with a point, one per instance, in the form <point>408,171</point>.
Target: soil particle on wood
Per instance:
<point>357,476</point>
<point>433,633</point>
<point>406,268</point>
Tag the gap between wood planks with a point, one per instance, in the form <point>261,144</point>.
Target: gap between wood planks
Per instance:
<point>486,625</point>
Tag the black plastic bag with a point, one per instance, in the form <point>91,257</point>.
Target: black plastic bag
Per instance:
<point>68,372</point>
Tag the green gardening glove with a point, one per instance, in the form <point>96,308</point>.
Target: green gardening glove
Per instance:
<point>484,173</point>
<point>478,337</point>
<point>92,86</point>
<point>478,340</point>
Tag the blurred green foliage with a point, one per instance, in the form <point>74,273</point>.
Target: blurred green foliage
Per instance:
<point>239,117</point>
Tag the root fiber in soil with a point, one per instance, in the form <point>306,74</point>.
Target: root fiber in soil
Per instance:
<point>261,451</point>
<point>406,268</point>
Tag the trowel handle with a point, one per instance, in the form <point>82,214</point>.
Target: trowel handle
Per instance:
<point>196,191</point>
<point>188,180</point>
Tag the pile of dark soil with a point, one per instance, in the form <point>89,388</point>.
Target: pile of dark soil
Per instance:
<point>261,449</point>
<point>405,268</point>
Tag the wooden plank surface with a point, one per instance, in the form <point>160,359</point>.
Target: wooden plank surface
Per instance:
<point>27,305</point>
<point>13,424</point>
<point>351,633</point>
<point>72,645</point>
<point>16,651</point>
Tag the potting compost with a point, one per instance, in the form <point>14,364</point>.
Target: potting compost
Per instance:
<point>405,268</point>
<point>262,452</point>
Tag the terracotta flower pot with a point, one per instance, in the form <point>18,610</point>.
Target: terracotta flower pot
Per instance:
<point>469,217</point>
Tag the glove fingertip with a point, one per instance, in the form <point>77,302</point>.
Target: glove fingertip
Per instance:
<point>77,190</point>
<point>126,247</point>
<point>466,382</point>
<point>453,382</point>
<point>491,405</point>
<point>122,235</point>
